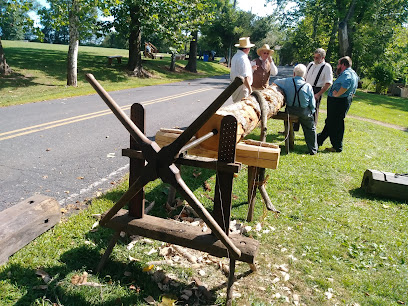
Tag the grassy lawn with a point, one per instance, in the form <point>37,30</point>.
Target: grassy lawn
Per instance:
<point>39,72</point>
<point>337,244</point>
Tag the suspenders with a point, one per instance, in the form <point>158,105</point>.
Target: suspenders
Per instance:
<point>318,74</point>
<point>297,91</point>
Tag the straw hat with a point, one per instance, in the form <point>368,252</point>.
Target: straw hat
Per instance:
<point>244,43</point>
<point>265,47</point>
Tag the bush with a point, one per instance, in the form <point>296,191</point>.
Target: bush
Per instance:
<point>383,76</point>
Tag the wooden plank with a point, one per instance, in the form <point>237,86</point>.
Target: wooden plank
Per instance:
<point>194,161</point>
<point>251,155</point>
<point>25,221</point>
<point>186,235</point>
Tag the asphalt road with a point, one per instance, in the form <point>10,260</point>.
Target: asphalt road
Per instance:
<point>70,149</point>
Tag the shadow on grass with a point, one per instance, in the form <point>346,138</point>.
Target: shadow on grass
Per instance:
<point>86,259</point>
<point>383,100</point>
<point>53,64</point>
<point>359,193</point>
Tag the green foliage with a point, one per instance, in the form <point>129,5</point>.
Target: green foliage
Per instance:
<point>383,76</point>
<point>55,19</point>
<point>371,28</point>
<point>397,54</point>
<point>14,19</point>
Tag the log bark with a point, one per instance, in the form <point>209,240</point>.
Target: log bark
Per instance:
<point>247,112</point>
<point>72,59</point>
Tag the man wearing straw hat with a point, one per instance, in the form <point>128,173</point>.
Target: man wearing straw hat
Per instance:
<point>241,66</point>
<point>263,68</point>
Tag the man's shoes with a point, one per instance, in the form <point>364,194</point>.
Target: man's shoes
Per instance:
<point>332,150</point>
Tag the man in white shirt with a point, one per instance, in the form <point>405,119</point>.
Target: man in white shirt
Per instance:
<point>241,66</point>
<point>320,75</point>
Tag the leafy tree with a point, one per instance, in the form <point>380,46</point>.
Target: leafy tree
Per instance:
<point>199,13</point>
<point>344,27</point>
<point>14,18</point>
<point>80,16</point>
<point>227,27</point>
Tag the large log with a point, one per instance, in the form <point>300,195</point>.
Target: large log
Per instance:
<point>247,112</point>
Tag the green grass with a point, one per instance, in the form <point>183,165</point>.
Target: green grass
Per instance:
<point>388,109</point>
<point>329,233</point>
<point>39,72</point>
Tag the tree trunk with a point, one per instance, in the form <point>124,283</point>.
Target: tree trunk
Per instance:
<point>331,46</point>
<point>192,59</point>
<point>344,33</point>
<point>173,62</point>
<point>247,112</point>
<point>4,67</point>
<point>135,44</point>
<point>72,60</point>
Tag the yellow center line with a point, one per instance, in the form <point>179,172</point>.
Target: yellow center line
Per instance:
<point>61,122</point>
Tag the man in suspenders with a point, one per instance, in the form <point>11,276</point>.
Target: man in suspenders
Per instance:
<point>319,74</point>
<point>300,101</point>
<point>339,99</point>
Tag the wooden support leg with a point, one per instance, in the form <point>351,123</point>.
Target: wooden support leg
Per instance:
<point>108,251</point>
<point>288,129</point>
<point>252,178</point>
<point>224,180</point>
<point>291,136</point>
<point>231,279</point>
<point>137,204</point>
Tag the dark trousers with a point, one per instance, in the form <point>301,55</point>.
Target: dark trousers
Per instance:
<point>337,109</point>
<point>316,113</point>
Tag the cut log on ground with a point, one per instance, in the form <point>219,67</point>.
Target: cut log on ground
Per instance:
<point>247,112</point>
<point>25,221</point>
<point>253,153</point>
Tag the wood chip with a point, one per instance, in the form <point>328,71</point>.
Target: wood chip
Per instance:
<point>44,275</point>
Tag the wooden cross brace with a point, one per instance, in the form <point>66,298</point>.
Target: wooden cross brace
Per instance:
<point>160,162</point>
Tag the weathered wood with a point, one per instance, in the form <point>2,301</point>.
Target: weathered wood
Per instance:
<point>289,120</point>
<point>182,234</point>
<point>247,112</point>
<point>194,161</point>
<point>137,204</point>
<point>25,221</point>
<point>248,154</point>
<point>385,184</point>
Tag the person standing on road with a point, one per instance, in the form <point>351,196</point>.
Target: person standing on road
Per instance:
<point>339,100</point>
<point>319,74</point>
<point>300,102</point>
<point>241,66</point>
<point>263,67</point>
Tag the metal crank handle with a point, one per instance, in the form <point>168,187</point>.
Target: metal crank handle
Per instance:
<point>119,113</point>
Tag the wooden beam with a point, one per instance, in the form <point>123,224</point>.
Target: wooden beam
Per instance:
<point>249,154</point>
<point>186,235</point>
<point>25,221</point>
